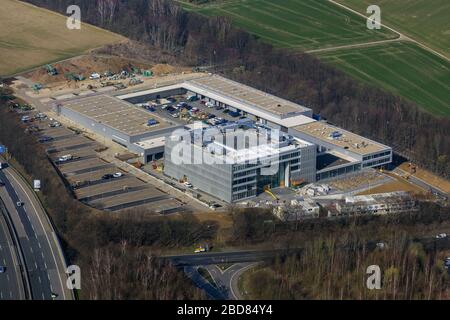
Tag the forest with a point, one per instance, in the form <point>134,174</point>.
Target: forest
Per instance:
<point>200,41</point>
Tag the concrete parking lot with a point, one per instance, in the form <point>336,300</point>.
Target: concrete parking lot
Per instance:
<point>86,174</point>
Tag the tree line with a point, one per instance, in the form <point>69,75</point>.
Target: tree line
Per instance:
<point>203,41</point>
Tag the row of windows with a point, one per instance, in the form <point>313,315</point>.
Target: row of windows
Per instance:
<point>243,195</point>
<point>290,155</point>
<point>249,179</point>
<point>378,155</point>
<point>376,162</point>
<point>244,166</point>
<point>244,187</point>
<point>244,173</point>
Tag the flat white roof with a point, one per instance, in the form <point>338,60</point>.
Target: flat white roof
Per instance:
<point>152,143</point>
<point>344,139</point>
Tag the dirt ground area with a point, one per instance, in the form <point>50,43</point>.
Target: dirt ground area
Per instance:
<point>399,185</point>
<point>428,177</point>
<point>87,64</point>
<point>356,181</point>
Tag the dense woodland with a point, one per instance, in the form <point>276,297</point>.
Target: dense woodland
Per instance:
<point>198,40</point>
<point>336,268</point>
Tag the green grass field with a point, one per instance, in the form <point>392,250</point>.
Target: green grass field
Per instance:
<point>426,21</point>
<point>32,36</point>
<point>306,24</point>
<point>402,68</point>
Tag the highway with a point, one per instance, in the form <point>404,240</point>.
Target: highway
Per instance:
<point>11,284</point>
<point>45,266</point>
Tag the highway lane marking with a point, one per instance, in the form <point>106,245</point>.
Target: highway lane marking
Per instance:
<point>48,240</point>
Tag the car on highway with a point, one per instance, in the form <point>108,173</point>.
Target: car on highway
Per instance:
<point>20,203</point>
<point>1,183</point>
<point>199,250</point>
<point>107,176</point>
<point>117,175</point>
<point>2,269</point>
<point>188,184</point>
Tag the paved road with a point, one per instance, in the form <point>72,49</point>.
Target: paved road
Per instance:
<point>223,257</point>
<point>421,183</point>
<point>11,284</point>
<point>44,265</point>
<point>211,291</point>
<point>227,280</point>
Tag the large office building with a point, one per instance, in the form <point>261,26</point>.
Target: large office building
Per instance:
<point>232,168</point>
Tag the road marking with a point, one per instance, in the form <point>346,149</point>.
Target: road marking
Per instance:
<point>48,240</point>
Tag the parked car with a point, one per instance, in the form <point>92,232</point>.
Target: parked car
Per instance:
<point>170,109</point>
<point>107,176</point>
<point>54,124</point>
<point>40,115</point>
<point>188,184</point>
<point>441,236</point>
<point>65,158</point>
<point>25,119</point>
<point>175,115</point>
<point>117,175</point>
<point>45,139</point>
